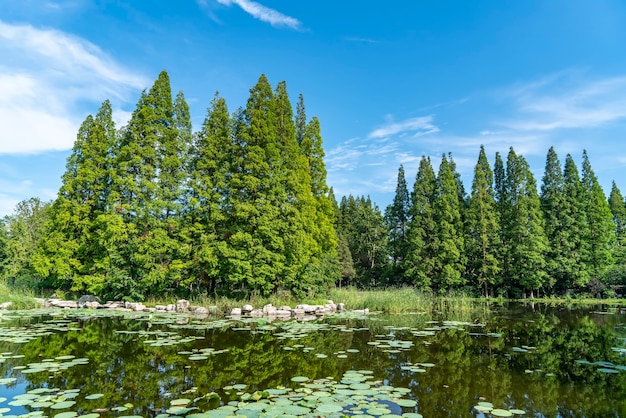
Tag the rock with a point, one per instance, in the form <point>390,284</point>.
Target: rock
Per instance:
<point>201,310</point>
<point>256,313</point>
<point>298,312</point>
<point>113,305</point>
<point>283,312</point>
<point>247,309</point>
<point>5,305</point>
<point>87,298</point>
<point>235,312</point>
<point>91,305</point>
<point>170,308</point>
<point>182,305</point>
<point>285,308</point>
<point>330,302</point>
<point>135,306</point>
<point>341,307</point>
<point>58,303</point>
<point>150,310</point>
<point>160,308</point>
<point>269,310</point>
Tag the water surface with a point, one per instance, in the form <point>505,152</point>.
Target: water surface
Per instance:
<point>543,361</point>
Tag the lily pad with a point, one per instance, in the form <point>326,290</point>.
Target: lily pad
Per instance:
<point>501,413</point>
<point>94,396</point>
<point>300,379</point>
<point>70,414</point>
<point>63,405</point>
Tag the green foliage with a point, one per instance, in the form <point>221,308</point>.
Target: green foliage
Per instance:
<point>364,228</point>
<point>397,219</point>
<point>483,227</point>
<point>20,234</point>
<point>618,210</point>
<point>599,233</point>
<point>523,226</point>
<point>420,263</point>
<point>448,245</point>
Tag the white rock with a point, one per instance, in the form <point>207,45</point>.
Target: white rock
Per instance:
<point>182,305</point>
<point>235,312</point>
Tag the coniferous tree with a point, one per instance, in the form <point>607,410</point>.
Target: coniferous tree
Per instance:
<point>552,201</point>
<point>618,210</point>
<point>523,226</point>
<point>72,254</point>
<point>483,227</point>
<point>323,229</point>
<point>397,218</point>
<point>367,238</point>
<point>420,261</point>
<point>209,170</point>
<point>499,177</point>
<point>600,228</point>
<point>344,256</point>
<point>572,245</point>
<point>448,246</point>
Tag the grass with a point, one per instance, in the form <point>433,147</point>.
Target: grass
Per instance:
<point>19,298</point>
<point>391,300</point>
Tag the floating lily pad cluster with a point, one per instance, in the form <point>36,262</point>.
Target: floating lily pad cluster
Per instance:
<point>488,408</point>
<point>53,365</point>
<point>604,366</point>
<point>522,349</point>
<point>356,394</point>
<point>202,353</point>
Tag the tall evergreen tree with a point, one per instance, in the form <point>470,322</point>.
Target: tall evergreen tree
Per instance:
<point>72,255</point>
<point>449,246</point>
<point>552,201</point>
<point>523,226</point>
<point>483,227</point>
<point>600,228</point>
<point>618,210</point>
<point>209,170</point>
<point>420,261</point>
<point>397,218</point>
<point>572,245</point>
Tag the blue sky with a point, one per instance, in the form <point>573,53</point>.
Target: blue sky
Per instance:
<point>390,81</point>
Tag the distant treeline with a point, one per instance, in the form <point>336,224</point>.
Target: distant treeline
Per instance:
<point>242,207</point>
<point>503,238</point>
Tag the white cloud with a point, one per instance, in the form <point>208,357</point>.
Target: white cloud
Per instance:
<point>416,126</point>
<point>263,13</point>
<point>50,75</point>
<point>566,100</point>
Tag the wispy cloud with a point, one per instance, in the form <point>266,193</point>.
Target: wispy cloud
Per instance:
<point>417,126</point>
<point>264,14</point>
<point>48,79</point>
<point>567,100</point>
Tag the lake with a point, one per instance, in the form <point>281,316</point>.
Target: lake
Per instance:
<point>511,359</point>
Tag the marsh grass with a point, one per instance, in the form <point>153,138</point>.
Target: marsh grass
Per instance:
<point>20,298</point>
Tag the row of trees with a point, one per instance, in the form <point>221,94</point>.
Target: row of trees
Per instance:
<point>505,236</point>
<point>242,206</point>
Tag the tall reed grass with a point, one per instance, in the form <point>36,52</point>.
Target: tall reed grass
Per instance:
<point>20,298</point>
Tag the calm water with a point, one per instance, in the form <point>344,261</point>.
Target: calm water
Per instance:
<point>547,362</point>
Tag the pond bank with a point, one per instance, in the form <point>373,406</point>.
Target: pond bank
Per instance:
<point>185,306</point>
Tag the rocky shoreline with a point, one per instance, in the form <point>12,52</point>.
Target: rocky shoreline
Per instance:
<point>184,306</point>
